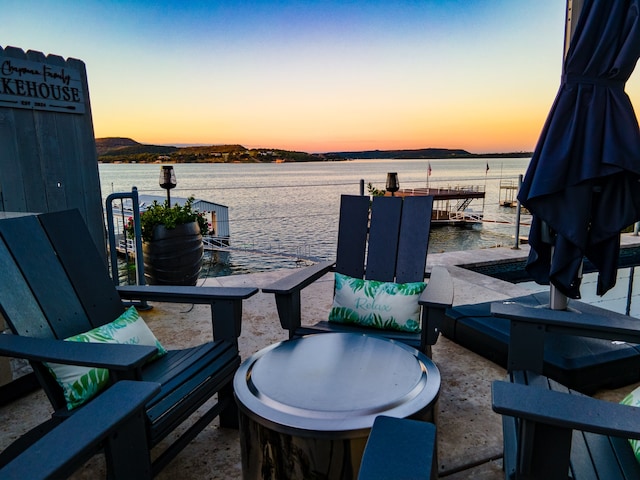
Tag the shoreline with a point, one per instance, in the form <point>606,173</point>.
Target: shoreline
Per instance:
<point>126,150</point>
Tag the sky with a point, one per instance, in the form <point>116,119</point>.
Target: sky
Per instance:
<point>313,76</point>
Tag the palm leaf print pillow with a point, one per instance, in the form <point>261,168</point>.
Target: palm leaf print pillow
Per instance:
<point>80,384</point>
<point>633,399</point>
<point>382,305</point>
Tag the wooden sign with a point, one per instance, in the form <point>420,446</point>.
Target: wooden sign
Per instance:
<point>48,156</point>
<point>40,86</point>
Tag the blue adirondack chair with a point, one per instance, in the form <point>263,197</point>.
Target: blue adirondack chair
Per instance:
<point>385,240</point>
<point>550,431</point>
<point>54,284</point>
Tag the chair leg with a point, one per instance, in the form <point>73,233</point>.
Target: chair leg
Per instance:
<point>289,311</point>
<point>229,414</point>
<point>127,451</point>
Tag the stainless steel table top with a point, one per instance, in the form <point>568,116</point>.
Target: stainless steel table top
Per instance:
<point>334,382</point>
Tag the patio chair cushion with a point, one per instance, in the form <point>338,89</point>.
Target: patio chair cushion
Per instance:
<point>80,384</point>
<point>633,399</point>
<point>370,303</point>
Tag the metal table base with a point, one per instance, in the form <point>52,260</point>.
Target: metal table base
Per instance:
<point>307,405</point>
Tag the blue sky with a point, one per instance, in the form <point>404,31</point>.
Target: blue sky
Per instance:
<point>309,75</point>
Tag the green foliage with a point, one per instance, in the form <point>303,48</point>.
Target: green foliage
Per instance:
<point>374,191</point>
<point>153,150</point>
<point>163,214</point>
<point>123,150</point>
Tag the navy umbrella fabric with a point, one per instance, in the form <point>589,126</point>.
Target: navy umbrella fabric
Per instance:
<point>583,182</point>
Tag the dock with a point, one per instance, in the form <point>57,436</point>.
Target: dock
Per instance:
<point>451,204</point>
<point>508,193</point>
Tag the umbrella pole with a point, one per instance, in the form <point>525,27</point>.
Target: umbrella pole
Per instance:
<point>574,7</point>
<point>557,300</point>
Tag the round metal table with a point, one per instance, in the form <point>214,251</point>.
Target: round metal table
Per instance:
<point>307,405</point>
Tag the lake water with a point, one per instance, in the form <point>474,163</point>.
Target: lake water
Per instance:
<point>293,207</point>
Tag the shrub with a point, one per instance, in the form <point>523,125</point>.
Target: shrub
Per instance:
<point>163,214</point>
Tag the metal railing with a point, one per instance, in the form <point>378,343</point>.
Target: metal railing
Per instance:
<point>113,251</point>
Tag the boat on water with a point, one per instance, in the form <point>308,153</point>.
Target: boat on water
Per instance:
<point>451,204</point>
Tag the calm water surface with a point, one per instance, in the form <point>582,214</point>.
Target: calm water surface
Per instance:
<point>293,207</point>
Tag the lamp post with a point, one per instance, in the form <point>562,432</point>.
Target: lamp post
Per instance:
<point>168,180</point>
<point>392,183</point>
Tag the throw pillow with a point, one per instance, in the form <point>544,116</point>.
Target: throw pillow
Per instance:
<point>80,384</point>
<point>383,305</point>
<point>633,399</point>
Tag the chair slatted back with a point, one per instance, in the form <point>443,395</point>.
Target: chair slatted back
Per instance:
<point>414,239</point>
<point>54,283</point>
<point>17,300</point>
<point>384,230</point>
<point>24,316</point>
<point>90,278</point>
<point>36,297</point>
<point>393,237</point>
<point>352,235</point>
<point>30,249</point>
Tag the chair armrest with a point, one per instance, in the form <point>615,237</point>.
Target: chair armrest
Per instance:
<point>287,293</point>
<point>70,444</point>
<point>611,326</point>
<point>226,303</point>
<point>567,411</point>
<point>182,294</point>
<point>399,448</point>
<point>300,279</point>
<point>439,291</point>
<point>115,357</point>
<point>435,299</point>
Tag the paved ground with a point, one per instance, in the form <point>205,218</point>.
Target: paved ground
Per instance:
<point>469,433</point>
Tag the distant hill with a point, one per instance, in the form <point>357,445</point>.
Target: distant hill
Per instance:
<point>126,150</point>
<point>401,154</point>
<point>106,145</point>
<point>127,146</point>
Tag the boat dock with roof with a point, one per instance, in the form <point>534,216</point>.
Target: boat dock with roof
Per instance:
<point>451,204</point>
<point>509,193</point>
<point>217,215</point>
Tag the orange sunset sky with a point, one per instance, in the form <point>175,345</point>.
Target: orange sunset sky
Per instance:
<point>314,76</point>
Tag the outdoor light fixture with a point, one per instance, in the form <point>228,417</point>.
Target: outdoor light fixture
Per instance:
<point>168,180</point>
<point>392,183</point>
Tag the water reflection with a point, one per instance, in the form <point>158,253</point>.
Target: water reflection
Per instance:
<point>293,207</point>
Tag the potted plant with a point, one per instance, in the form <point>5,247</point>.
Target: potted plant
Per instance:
<point>172,243</point>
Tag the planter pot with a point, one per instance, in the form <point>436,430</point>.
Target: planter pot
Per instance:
<point>173,257</point>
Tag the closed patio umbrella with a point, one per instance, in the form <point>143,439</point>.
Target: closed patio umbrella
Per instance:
<point>583,182</point>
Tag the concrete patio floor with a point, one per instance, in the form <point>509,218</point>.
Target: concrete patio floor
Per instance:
<point>469,433</point>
